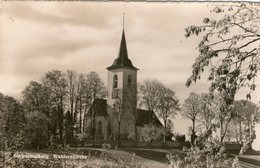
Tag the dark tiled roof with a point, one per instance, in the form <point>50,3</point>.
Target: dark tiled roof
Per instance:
<point>143,116</point>
<point>101,107</point>
<point>122,61</point>
<point>146,117</point>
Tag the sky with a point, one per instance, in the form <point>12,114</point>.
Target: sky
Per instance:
<point>37,37</point>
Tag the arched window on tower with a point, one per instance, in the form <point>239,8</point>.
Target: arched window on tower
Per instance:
<point>115,81</point>
<point>129,80</point>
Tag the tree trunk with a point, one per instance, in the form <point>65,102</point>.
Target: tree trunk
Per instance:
<point>240,131</point>
<point>164,132</point>
<point>193,137</point>
<point>119,131</point>
<point>94,124</point>
<point>3,149</point>
<point>193,126</point>
<point>61,122</point>
<point>225,130</point>
<point>80,115</point>
<point>60,126</point>
<point>221,129</point>
<point>136,133</point>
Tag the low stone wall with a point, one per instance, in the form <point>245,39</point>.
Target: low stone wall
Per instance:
<point>232,146</point>
<point>129,143</point>
<point>174,144</point>
<point>144,144</point>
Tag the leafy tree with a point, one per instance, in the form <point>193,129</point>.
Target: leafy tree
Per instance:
<point>228,49</point>
<point>37,97</point>
<point>11,125</point>
<point>36,130</point>
<point>56,81</point>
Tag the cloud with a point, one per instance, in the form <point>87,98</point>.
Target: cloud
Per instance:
<point>60,14</point>
<point>85,36</point>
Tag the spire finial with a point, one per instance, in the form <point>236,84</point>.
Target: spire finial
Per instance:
<point>123,20</point>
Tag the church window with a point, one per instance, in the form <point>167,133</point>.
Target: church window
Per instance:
<point>115,81</point>
<point>129,80</point>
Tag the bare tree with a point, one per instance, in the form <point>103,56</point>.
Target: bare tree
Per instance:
<point>80,99</point>
<point>190,110</point>
<point>96,89</point>
<point>149,95</point>
<point>167,106</point>
<point>72,96</point>
<point>206,114</point>
<point>117,108</point>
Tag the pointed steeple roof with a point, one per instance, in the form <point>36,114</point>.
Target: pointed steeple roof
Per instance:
<point>122,60</point>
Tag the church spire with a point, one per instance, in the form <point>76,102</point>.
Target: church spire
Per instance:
<point>123,21</point>
<point>122,60</point>
<point>122,54</point>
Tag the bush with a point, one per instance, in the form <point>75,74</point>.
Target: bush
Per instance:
<point>36,130</point>
<point>211,155</point>
<point>106,146</point>
<point>151,132</point>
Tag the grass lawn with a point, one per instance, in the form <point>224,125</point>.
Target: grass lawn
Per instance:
<point>109,158</point>
<point>71,158</point>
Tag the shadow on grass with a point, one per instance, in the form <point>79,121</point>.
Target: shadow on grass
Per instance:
<point>159,156</point>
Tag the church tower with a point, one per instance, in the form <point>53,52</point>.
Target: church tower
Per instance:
<point>122,87</point>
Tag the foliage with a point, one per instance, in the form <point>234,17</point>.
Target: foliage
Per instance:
<point>11,126</point>
<point>151,132</point>
<point>64,98</point>
<point>229,51</point>
<point>36,130</point>
<point>158,98</point>
<point>92,160</point>
<point>242,126</point>
<point>228,47</point>
<point>211,155</point>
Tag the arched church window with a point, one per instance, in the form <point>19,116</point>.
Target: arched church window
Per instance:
<point>129,80</point>
<point>115,81</point>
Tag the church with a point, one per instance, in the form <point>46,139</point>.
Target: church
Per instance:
<point>118,114</point>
